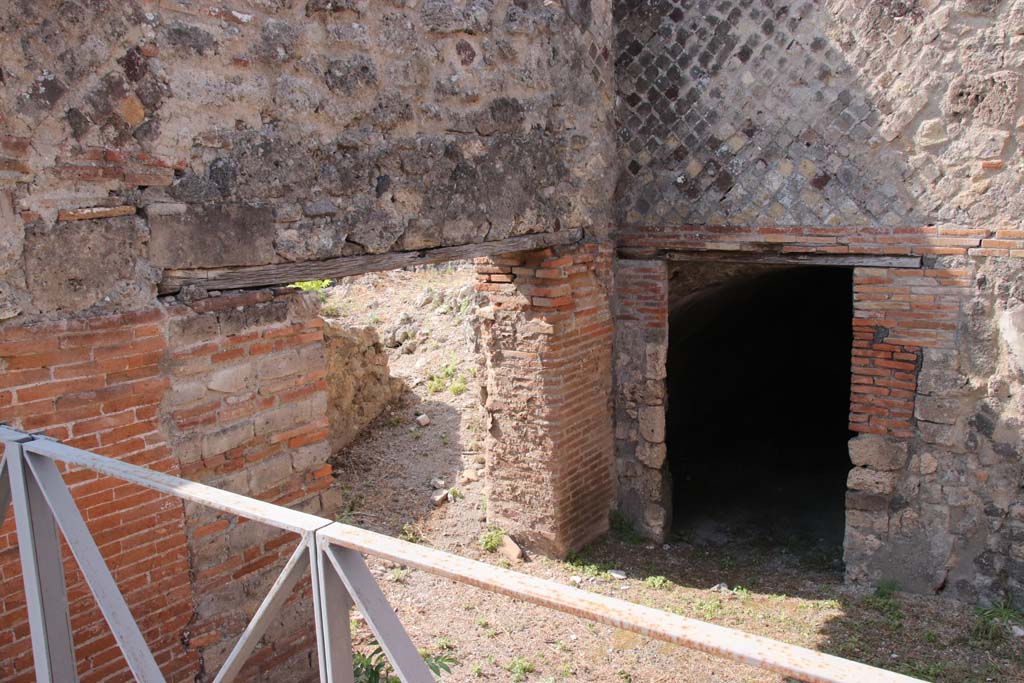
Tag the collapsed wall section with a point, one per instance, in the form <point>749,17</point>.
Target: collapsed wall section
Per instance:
<point>359,383</point>
<point>546,338</point>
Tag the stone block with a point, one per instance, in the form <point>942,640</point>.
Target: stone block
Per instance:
<point>232,380</point>
<point>866,521</point>
<point>939,434</point>
<point>289,363</point>
<point>186,393</point>
<point>871,481</point>
<point>870,502</point>
<point>192,329</point>
<point>226,438</point>
<point>927,464</point>
<point>878,452</point>
<point>12,234</point>
<point>213,235</point>
<point>72,266</point>
<point>651,454</point>
<point>243,319</point>
<point>283,418</point>
<point>656,366</point>
<point>652,423</point>
<point>310,457</point>
<point>936,409</point>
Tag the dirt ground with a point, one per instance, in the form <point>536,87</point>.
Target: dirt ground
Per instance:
<point>793,593</point>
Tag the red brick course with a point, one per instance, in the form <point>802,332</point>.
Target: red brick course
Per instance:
<point>247,412</point>
<point>897,314</point>
<point>120,386</point>
<point>95,383</point>
<point>869,241</point>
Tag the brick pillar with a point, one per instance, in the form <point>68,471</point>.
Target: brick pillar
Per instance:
<point>546,336</point>
<point>641,349</point>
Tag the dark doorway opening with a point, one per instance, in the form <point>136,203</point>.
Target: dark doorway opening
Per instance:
<point>758,409</point>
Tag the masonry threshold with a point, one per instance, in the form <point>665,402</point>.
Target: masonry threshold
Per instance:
<point>758,409</point>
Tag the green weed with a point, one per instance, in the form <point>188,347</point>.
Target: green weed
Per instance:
<point>490,540</point>
<point>519,667</point>
<point>659,582</point>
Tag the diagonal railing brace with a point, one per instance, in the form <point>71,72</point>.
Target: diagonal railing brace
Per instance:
<point>111,603</point>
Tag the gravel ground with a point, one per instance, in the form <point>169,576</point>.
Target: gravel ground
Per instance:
<point>788,593</point>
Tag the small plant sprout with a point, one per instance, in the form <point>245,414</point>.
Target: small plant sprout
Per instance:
<point>659,582</point>
<point>398,575</point>
<point>491,539</point>
<point>519,667</point>
<point>883,601</point>
<point>318,286</point>
<point>410,533</point>
<point>458,387</point>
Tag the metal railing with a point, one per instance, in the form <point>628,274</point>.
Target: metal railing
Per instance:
<point>333,555</point>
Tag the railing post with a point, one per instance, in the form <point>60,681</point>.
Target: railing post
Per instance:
<point>331,605</point>
<point>349,566</point>
<point>42,572</point>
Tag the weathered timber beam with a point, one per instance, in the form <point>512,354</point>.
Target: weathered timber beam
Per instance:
<point>849,260</point>
<point>243,277</point>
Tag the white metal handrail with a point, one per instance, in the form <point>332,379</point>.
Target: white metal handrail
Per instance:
<point>333,554</point>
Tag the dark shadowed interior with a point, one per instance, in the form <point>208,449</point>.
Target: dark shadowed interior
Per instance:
<point>759,387</point>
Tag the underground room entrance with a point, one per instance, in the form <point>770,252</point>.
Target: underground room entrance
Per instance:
<point>758,407</point>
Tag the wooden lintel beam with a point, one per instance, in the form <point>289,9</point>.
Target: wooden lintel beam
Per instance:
<point>848,260</point>
<point>243,277</point>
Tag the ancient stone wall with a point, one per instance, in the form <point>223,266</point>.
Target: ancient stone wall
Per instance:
<point>641,349</point>
<point>359,384</point>
<point>246,411</point>
<point>139,138</point>
<point>185,135</point>
<point>546,337</point>
<point>145,137</point>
